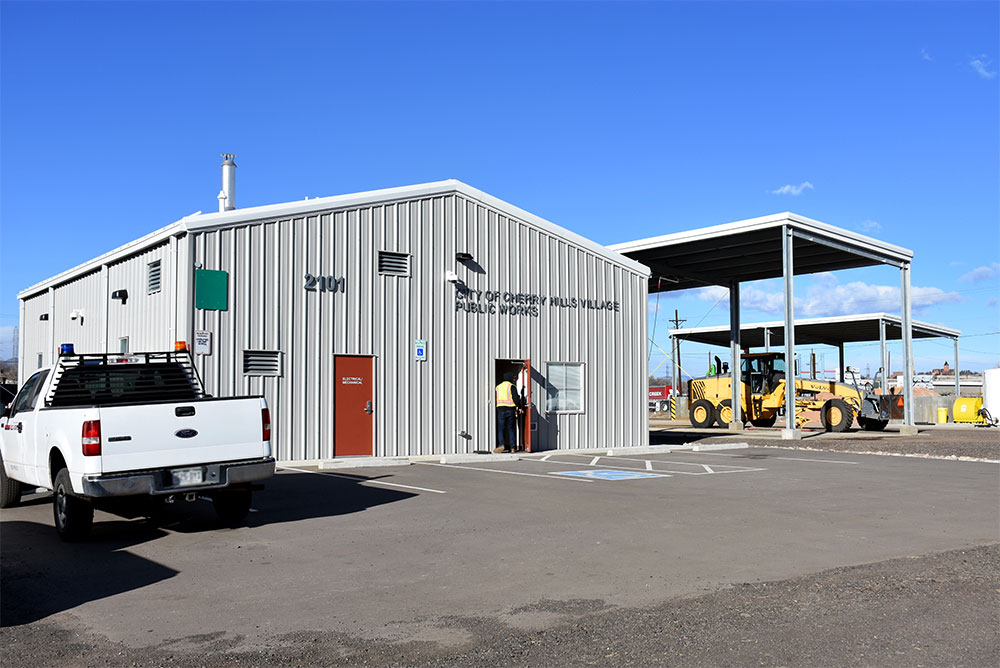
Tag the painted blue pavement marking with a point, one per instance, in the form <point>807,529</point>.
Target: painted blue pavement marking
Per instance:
<point>608,474</point>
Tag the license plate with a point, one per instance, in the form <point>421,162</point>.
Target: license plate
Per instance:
<point>184,477</point>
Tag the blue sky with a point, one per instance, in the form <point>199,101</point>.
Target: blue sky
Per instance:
<point>617,120</point>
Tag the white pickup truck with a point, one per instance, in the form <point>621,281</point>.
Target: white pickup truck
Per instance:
<point>102,426</point>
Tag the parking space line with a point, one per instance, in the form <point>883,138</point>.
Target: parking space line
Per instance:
<point>738,469</point>
<point>594,461</point>
<point>708,468</point>
<point>649,465</point>
<point>661,461</point>
<point>791,459</point>
<point>363,479</point>
<point>475,468</point>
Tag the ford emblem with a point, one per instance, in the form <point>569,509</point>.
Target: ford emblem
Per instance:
<point>186,433</point>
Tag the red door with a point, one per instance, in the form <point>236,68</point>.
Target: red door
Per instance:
<point>353,410</point>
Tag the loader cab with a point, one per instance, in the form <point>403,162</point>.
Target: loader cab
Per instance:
<point>762,372</point>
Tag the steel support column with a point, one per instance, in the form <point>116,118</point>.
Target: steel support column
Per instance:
<point>884,356</point>
<point>907,346</point>
<point>958,384</point>
<point>735,349</point>
<point>767,339</point>
<point>842,364</point>
<point>787,242</point>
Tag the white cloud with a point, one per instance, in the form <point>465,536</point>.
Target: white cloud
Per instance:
<point>926,56</point>
<point>989,273</point>
<point>827,297</point>
<point>981,64</point>
<point>870,226</point>
<point>993,302</point>
<point>793,190</point>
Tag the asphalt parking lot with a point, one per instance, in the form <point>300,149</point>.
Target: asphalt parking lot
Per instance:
<point>548,559</point>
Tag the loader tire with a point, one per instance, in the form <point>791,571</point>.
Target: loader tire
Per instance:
<point>10,490</point>
<point>869,424</point>
<point>765,422</point>
<point>724,413</point>
<point>702,414</point>
<point>836,415</point>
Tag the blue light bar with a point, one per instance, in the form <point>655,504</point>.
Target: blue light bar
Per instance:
<point>66,349</point>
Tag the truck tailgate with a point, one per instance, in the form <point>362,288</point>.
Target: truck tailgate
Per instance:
<point>178,434</point>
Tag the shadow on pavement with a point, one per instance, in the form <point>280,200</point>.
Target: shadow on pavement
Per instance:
<point>40,575</point>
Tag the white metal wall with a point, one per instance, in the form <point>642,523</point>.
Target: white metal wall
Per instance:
<point>422,407</point>
<point>35,335</point>
<point>144,318</point>
<point>86,296</point>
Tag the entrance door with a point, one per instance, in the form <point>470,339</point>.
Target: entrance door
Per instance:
<point>353,410</point>
<point>522,370</point>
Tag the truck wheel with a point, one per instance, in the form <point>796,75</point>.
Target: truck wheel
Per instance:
<point>73,514</point>
<point>10,490</point>
<point>836,415</point>
<point>724,413</point>
<point>869,424</point>
<point>765,422</point>
<point>702,414</point>
<point>232,505</point>
<point>664,406</point>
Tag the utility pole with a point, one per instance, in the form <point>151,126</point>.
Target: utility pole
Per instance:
<point>676,352</point>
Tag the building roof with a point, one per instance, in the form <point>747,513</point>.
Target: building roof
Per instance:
<point>751,250</point>
<point>831,331</point>
<point>207,221</point>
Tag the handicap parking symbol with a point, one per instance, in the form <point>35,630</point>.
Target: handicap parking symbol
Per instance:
<point>609,474</point>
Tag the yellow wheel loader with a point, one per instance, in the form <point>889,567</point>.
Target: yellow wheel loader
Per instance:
<point>762,397</point>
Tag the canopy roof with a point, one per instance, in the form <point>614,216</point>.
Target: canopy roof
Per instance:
<point>750,250</point>
<point>831,331</point>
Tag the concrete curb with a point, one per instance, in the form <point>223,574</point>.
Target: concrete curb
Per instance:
<point>706,447</point>
<point>362,462</point>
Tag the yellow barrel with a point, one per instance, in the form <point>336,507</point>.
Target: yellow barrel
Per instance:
<point>966,409</point>
<point>942,416</point>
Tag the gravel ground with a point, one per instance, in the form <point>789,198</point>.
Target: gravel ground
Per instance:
<point>971,442</point>
<point>937,610</point>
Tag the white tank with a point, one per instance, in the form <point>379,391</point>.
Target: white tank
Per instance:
<point>991,391</point>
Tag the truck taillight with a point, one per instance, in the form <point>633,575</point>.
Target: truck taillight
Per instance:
<point>265,421</point>
<point>91,438</point>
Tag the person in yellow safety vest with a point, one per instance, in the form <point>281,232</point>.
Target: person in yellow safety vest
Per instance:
<point>508,401</point>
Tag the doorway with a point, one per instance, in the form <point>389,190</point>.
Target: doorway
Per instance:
<point>521,370</point>
<point>353,406</point>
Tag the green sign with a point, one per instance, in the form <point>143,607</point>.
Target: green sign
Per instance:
<point>211,290</point>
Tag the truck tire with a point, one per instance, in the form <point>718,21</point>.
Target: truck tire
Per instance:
<point>702,414</point>
<point>765,422</point>
<point>73,515</point>
<point>664,406</point>
<point>869,424</point>
<point>232,505</point>
<point>10,490</point>
<point>836,415</point>
<point>724,413</point>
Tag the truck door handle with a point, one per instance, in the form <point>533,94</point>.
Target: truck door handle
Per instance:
<point>368,408</point>
<point>19,427</point>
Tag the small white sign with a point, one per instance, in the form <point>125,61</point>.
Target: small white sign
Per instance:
<point>420,350</point>
<point>202,342</point>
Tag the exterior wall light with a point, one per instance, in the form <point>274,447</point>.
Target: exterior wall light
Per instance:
<point>463,257</point>
<point>121,295</point>
<point>44,316</point>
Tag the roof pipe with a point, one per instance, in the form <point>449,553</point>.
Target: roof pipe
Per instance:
<point>227,196</point>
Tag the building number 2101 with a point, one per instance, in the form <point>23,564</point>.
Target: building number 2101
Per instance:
<point>325,283</point>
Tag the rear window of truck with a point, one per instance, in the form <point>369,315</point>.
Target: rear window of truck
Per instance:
<point>90,384</point>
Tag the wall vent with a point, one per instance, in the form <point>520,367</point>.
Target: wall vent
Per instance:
<point>261,363</point>
<point>393,264</point>
<point>153,277</point>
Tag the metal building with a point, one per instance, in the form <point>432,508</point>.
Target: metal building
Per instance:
<point>375,323</point>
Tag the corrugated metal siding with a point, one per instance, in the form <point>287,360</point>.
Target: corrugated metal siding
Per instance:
<point>35,335</point>
<point>144,318</point>
<point>421,407</point>
<point>86,294</point>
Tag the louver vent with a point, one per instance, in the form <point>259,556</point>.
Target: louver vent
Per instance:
<point>153,277</point>
<point>261,363</point>
<point>393,264</point>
